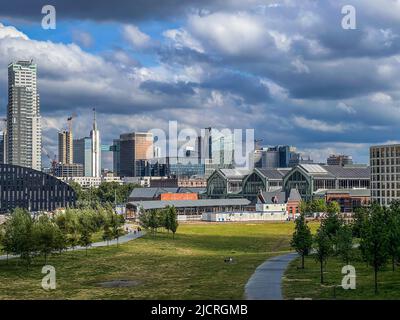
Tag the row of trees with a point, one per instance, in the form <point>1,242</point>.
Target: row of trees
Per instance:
<point>376,227</point>
<point>163,218</point>
<point>107,192</point>
<point>28,236</point>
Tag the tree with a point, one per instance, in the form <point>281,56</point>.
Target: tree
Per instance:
<point>172,220</point>
<point>374,240</point>
<point>332,222</point>
<point>360,215</point>
<point>86,228</point>
<point>107,233</point>
<point>318,205</point>
<point>344,243</point>
<point>304,207</point>
<point>302,238</point>
<point>44,236</point>
<point>116,224</point>
<point>393,229</point>
<point>18,231</point>
<point>5,240</point>
<point>323,249</point>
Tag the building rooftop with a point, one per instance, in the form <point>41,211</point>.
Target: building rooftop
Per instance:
<point>339,172</point>
<point>294,195</point>
<point>160,204</point>
<point>235,173</point>
<point>273,197</point>
<point>152,193</point>
<point>274,174</point>
<point>351,192</point>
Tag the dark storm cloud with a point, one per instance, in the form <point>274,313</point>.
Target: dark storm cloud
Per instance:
<point>120,10</point>
<point>157,87</point>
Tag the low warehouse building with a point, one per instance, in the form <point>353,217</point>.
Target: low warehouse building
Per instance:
<point>188,208</point>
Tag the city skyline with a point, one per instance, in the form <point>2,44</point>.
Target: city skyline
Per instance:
<point>150,69</point>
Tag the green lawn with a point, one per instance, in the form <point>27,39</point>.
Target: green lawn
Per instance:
<point>306,283</point>
<point>190,267</point>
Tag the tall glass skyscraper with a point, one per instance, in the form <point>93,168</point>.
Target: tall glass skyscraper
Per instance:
<point>23,116</point>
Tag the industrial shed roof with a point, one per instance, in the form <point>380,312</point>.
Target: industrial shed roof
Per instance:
<point>160,204</point>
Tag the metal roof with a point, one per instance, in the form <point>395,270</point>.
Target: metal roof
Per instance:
<point>235,173</point>
<point>274,174</point>
<point>351,192</point>
<point>349,172</point>
<point>294,195</point>
<point>269,196</point>
<point>337,172</point>
<point>153,192</point>
<point>160,204</point>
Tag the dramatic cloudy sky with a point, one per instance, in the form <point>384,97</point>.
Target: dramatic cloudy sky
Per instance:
<point>285,68</point>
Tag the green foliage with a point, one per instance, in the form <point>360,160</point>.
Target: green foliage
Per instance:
<point>332,222</point>
<point>393,229</point>
<point>107,192</point>
<point>302,238</point>
<point>375,240</point>
<point>45,235</point>
<point>19,235</point>
<point>165,218</point>
<point>323,249</point>
<point>344,243</point>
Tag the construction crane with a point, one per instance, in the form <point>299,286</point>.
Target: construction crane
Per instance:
<point>69,120</point>
<point>53,160</point>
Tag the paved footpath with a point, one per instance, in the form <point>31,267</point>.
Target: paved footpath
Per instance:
<point>266,281</point>
<point>123,239</point>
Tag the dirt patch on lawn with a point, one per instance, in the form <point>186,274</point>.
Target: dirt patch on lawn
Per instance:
<point>119,283</point>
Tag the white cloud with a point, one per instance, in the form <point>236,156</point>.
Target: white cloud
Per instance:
<point>182,39</point>
<point>318,125</point>
<point>346,108</point>
<point>232,34</point>
<point>135,37</point>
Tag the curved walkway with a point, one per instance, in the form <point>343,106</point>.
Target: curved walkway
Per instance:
<point>266,281</point>
<point>125,238</point>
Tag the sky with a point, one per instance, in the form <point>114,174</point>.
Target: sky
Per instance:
<point>286,69</point>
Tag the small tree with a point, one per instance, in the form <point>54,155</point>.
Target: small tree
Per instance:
<point>393,229</point>
<point>86,228</point>
<point>44,235</point>
<point>323,249</point>
<point>116,224</point>
<point>19,234</point>
<point>107,233</point>
<point>344,243</point>
<point>173,221</point>
<point>374,240</point>
<point>302,238</point>
<point>332,222</point>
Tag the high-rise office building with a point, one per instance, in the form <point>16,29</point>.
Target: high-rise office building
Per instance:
<point>216,150</point>
<point>116,147</point>
<point>83,154</point>
<point>96,151</point>
<point>24,132</point>
<point>2,147</point>
<point>135,149</point>
<point>65,147</point>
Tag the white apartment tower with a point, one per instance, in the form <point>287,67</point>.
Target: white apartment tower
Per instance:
<point>23,116</point>
<point>96,152</point>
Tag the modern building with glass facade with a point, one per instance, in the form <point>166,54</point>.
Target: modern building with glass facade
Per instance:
<point>22,187</point>
<point>83,155</point>
<point>385,173</point>
<point>24,132</point>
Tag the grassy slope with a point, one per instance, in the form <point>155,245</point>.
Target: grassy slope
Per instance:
<point>306,283</point>
<point>189,267</point>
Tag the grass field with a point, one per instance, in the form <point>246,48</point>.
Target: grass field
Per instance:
<point>306,283</point>
<point>190,267</point>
